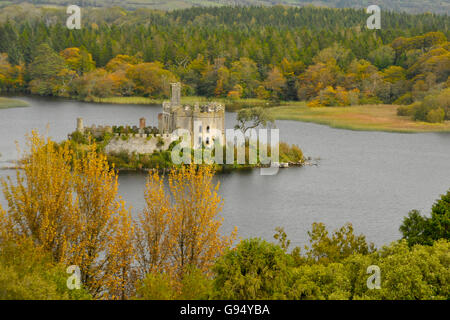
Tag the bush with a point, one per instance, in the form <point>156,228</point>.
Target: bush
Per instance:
<point>26,272</point>
<point>160,143</point>
<point>290,153</point>
<point>405,111</point>
<point>160,286</point>
<point>434,107</point>
<point>79,137</point>
<point>436,115</point>
<point>405,99</point>
<point>255,269</point>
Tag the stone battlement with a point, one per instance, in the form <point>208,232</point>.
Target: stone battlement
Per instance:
<point>205,119</point>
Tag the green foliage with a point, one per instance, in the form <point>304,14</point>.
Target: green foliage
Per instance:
<point>382,57</point>
<point>414,229</point>
<point>79,137</point>
<point>320,282</point>
<point>255,269</point>
<point>434,108</point>
<point>47,71</point>
<point>436,115</point>
<point>405,111</point>
<point>159,286</point>
<point>418,229</point>
<point>155,286</point>
<point>160,143</point>
<point>26,273</point>
<point>418,273</point>
<point>253,118</point>
<point>341,244</point>
<point>290,153</point>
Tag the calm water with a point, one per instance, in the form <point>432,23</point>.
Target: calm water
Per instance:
<point>371,179</point>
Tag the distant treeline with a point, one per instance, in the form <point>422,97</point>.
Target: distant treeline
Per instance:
<point>327,57</point>
<point>411,6</point>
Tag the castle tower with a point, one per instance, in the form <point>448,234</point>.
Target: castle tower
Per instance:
<point>80,126</point>
<point>142,123</point>
<point>175,99</point>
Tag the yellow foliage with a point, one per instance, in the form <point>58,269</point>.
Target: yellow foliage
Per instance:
<point>314,103</point>
<point>180,226</point>
<point>68,207</point>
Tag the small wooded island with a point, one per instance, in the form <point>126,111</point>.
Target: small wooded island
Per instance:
<point>147,147</point>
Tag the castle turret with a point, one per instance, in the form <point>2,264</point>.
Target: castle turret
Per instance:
<point>80,126</point>
<point>175,99</point>
<point>142,123</point>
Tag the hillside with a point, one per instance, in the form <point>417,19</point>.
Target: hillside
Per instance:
<point>410,6</point>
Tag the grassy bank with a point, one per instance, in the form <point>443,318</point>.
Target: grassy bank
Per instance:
<point>364,118</point>
<point>6,103</point>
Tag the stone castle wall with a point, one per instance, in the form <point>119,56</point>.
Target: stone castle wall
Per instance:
<point>138,143</point>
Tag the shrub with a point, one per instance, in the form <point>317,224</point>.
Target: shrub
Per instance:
<point>160,142</point>
<point>79,137</point>
<point>255,269</point>
<point>405,111</point>
<point>436,115</point>
<point>290,153</point>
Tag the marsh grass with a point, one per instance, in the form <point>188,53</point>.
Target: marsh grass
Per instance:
<point>363,118</point>
<point>6,103</point>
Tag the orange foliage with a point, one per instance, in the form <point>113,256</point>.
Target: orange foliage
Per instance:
<point>180,226</point>
<point>68,207</point>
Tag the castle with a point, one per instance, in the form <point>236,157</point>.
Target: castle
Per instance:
<point>206,122</point>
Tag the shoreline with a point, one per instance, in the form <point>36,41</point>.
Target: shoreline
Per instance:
<point>378,118</point>
<point>306,162</point>
<point>10,103</point>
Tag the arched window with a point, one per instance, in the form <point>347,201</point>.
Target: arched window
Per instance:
<point>207,129</point>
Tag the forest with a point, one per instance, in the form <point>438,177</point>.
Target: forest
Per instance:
<point>326,57</point>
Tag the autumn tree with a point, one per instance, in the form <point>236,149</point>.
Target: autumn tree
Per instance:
<point>179,228</point>
<point>67,205</point>
<point>275,82</point>
<point>78,59</point>
<point>151,79</point>
<point>11,77</point>
<point>245,73</point>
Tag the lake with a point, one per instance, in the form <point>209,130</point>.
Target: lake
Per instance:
<point>371,179</point>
